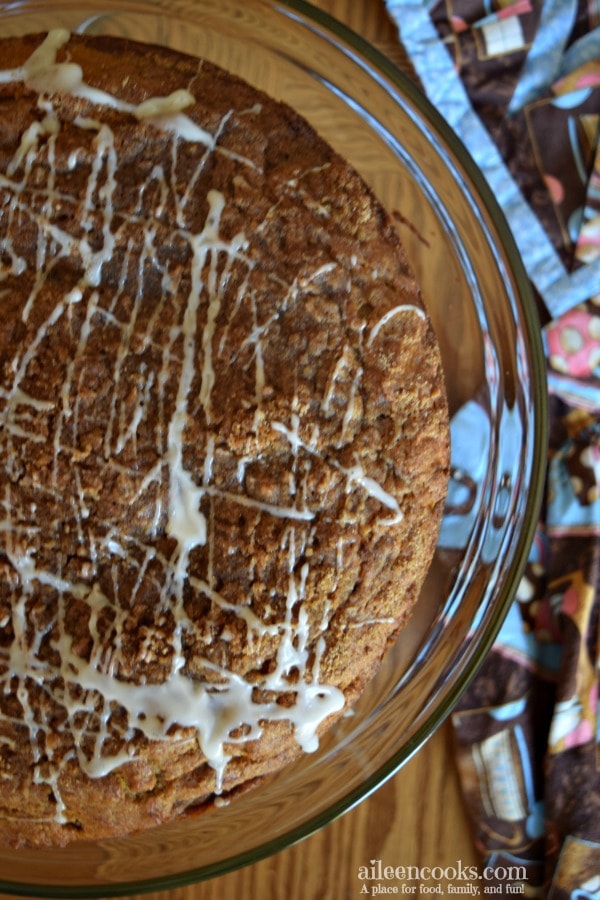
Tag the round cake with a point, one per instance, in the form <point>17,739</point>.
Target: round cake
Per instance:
<point>223,437</point>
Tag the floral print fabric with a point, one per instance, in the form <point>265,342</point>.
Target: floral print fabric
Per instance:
<point>520,83</point>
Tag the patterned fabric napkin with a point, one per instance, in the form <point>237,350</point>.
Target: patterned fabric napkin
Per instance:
<point>520,83</point>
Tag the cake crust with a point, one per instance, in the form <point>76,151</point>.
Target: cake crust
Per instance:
<point>223,436</point>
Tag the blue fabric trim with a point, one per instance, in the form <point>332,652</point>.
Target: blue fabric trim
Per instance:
<point>573,288</point>
<point>559,289</point>
<point>584,50</point>
<point>543,62</point>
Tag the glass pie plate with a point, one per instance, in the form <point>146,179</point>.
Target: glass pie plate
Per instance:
<point>478,298</point>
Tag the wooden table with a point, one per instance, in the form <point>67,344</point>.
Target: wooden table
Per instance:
<point>417,817</point>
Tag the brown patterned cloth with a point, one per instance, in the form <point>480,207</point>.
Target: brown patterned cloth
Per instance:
<point>520,83</point>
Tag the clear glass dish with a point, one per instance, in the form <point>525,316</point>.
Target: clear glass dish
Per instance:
<point>478,297</point>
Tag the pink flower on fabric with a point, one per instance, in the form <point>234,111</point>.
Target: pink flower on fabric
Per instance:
<point>573,343</point>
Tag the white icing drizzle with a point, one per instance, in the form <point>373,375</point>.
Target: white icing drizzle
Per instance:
<point>355,475</point>
<point>396,310</point>
<point>222,710</point>
<point>43,74</point>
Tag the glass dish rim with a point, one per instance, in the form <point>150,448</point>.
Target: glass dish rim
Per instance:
<point>381,65</point>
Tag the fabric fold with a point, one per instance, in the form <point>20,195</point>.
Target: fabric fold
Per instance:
<point>520,84</point>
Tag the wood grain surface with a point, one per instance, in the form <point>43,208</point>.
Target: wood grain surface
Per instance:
<point>417,818</point>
